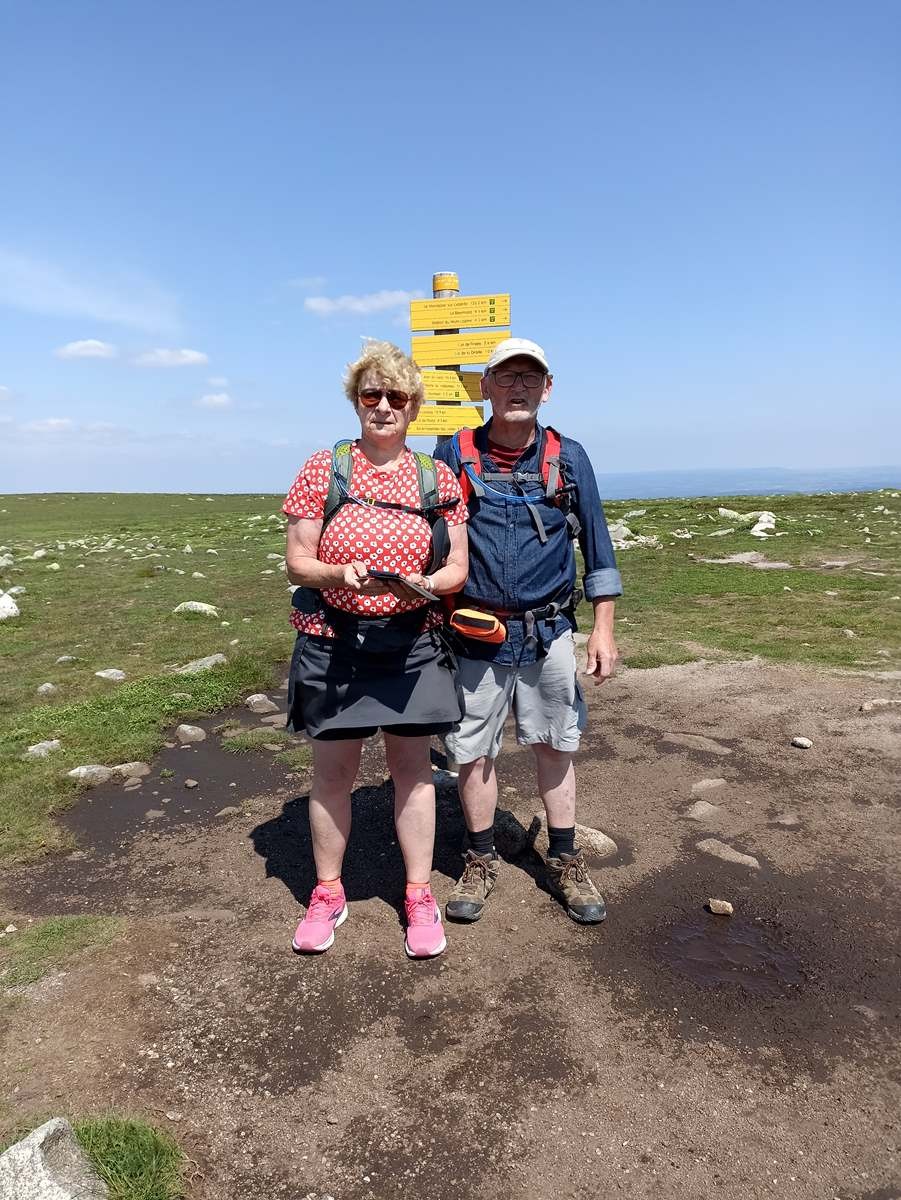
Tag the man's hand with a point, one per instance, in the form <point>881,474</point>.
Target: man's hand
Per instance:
<point>602,656</point>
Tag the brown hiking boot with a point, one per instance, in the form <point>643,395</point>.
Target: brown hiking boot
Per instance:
<point>569,881</point>
<point>473,888</point>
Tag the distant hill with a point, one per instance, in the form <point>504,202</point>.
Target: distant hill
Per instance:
<point>744,481</point>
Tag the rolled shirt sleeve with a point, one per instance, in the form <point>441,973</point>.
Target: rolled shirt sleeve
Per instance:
<point>601,575</point>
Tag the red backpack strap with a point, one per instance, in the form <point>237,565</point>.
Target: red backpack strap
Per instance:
<point>549,459</point>
<point>470,464</point>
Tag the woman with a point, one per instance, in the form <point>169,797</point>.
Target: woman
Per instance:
<point>370,653</point>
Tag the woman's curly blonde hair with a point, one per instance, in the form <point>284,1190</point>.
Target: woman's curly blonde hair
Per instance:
<point>393,367</point>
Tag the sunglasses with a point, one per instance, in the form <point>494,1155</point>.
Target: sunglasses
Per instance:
<point>372,397</point>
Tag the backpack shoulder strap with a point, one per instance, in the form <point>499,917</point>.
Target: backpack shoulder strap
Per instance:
<point>339,480</point>
<point>427,477</point>
<point>464,441</point>
<point>549,459</point>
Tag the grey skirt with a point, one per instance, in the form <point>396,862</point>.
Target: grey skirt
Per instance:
<point>377,673</point>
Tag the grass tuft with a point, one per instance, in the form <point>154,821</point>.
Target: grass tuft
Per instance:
<point>299,758</point>
<point>255,739</point>
<point>29,955</point>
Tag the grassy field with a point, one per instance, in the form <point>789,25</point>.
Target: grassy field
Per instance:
<point>125,561</point>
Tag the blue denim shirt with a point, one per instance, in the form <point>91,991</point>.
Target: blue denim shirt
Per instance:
<point>509,568</point>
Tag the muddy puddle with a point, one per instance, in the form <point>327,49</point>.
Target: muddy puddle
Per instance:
<point>717,951</point>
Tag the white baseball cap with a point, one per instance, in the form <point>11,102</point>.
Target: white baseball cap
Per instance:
<point>511,347</point>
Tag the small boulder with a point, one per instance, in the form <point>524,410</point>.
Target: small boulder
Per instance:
<point>49,1164</point>
<point>260,703</point>
<point>191,783</point>
<point>721,907</point>
<point>201,664</point>
<point>66,658</point>
<point>112,674</point>
<point>706,785</point>
<point>42,749</point>
<point>720,850</point>
<point>196,606</point>
<point>47,689</point>
<point>701,809</point>
<point>277,718</point>
<point>788,820</point>
<point>8,607</point>
<point>132,770</point>
<point>230,810</point>
<point>90,775</point>
<point>187,734</point>
<point>587,838</point>
<point>802,743</point>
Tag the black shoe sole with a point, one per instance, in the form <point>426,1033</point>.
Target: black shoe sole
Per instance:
<point>461,920</point>
<point>585,920</point>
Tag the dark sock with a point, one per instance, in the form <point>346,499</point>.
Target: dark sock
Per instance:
<point>483,841</point>
<point>561,841</point>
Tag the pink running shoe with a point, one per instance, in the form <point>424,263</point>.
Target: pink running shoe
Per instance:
<point>425,933</point>
<point>325,912</point>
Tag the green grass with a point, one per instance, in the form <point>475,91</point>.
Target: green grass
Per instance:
<point>256,739</point>
<point>136,1161</point>
<point>299,758</point>
<point>28,955</point>
<point>115,610</point>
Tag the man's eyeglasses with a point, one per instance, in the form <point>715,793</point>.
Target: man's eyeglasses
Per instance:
<point>372,397</point>
<point>506,379</point>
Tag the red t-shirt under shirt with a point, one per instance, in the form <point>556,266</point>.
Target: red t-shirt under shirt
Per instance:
<point>381,538</point>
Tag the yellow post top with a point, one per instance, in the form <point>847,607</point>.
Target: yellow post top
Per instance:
<point>445,281</point>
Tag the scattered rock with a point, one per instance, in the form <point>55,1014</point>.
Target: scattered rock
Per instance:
<point>153,814</point>
<point>54,566</point>
<point>191,783</point>
<point>47,689</point>
<point>721,907</point>
<point>273,746</point>
<point>190,733</point>
<point>879,702</point>
<point>113,674</point>
<point>201,664</point>
<point>706,785</point>
<point>849,633</point>
<point>720,850</point>
<point>701,809</point>
<point>696,741</point>
<point>587,838</point>
<point>198,575</point>
<point>259,702</point>
<point>8,607</point>
<point>277,718</point>
<point>802,743</point>
<point>789,820</point>
<point>65,658</point>
<point>172,1115</point>
<point>132,770</point>
<point>42,749</point>
<point>197,606</point>
<point>182,696</point>
<point>90,775</point>
<point>230,810</point>
<point>49,1164</point>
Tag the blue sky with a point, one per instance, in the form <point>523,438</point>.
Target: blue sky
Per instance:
<point>695,207</point>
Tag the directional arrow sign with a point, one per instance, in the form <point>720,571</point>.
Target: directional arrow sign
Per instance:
<point>448,349</point>
<point>460,312</point>
<point>437,419</point>
<point>452,385</point>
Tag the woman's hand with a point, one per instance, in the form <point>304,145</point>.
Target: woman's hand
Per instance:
<point>356,577</point>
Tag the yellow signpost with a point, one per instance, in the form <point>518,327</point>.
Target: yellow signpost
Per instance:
<point>441,419</point>
<point>462,312</point>
<point>449,349</point>
<point>452,385</point>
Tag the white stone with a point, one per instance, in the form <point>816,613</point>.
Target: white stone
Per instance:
<point>802,743</point>
<point>701,809</point>
<point>54,566</point>
<point>47,689</point>
<point>66,658</point>
<point>39,554</point>
<point>132,770</point>
<point>259,702</point>
<point>49,1164</point>
<point>216,552</point>
<point>722,907</point>
<point>187,549</point>
<point>198,575</point>
<point>6,560</point>
<point>197,606</point>
<point>113,674</point>
<point>8,607</point>
<point>201,664</point>
<point>90,775</point>
<point>42,749</point>
<point>720,850</point>
<point>706,785</point>
<point>190,733</point>
<point>20,591</point>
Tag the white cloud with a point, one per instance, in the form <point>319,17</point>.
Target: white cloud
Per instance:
<point>50,425</point>
<point>5,393</point>
<point>218,381</point>
<point>374,302</point>
<point>171,358</point>
<point>34,285</point>
<point>215,400</point>
<point>307,282</point>
<point>87,348</point>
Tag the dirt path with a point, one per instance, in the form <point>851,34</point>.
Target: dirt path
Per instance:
<point>668,1053</point>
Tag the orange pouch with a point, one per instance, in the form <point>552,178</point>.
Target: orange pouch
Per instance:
<point>480,626</point>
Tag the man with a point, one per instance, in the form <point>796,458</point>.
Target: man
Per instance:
<point>530,493</point>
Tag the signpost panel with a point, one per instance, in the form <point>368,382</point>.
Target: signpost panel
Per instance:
<point>461,312</point>
<point>444,419</point>
<point>452,385</point>
<point>453,348</point>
